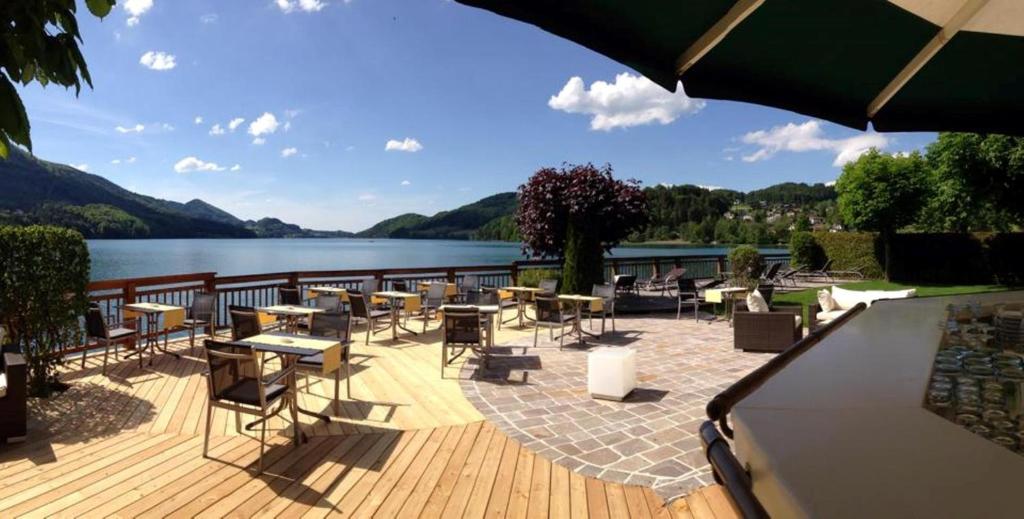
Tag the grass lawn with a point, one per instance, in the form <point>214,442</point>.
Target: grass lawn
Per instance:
<point>810,296</point>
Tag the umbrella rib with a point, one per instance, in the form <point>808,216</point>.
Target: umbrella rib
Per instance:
<point>736,14</point>
<point>963,15</point>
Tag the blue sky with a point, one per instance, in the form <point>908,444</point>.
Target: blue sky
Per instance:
<point>474,103</point>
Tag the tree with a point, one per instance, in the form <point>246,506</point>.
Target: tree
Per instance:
<point>38,42</point>
<point>577,213</point>
<point>882,193</point>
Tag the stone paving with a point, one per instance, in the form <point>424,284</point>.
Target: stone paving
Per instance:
<point>539,397</point>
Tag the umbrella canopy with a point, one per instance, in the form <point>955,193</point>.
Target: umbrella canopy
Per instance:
<point>903,65</point>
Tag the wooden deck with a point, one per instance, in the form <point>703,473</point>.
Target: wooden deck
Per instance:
<point>407,445</point>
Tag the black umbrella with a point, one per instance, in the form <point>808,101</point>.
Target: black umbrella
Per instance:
<point>903,65</point>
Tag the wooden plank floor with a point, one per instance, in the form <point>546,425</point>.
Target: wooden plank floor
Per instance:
<point>408,445</point>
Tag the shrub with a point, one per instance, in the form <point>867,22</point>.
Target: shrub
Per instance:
<point>1004,252</point>
<point>532,277</point>
<point>805,251</point>
<point>852,251</point>
<point>44,272</point>
<point>747,265</point>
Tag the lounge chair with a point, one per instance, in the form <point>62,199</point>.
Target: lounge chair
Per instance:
<point>665,283</point>
<point>772,272</point>
<point>822,272</point>
<point>626,283</point>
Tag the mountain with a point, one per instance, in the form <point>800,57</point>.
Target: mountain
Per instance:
<point>460,224</point>
<point>274,228</point>
<point>200,209</point>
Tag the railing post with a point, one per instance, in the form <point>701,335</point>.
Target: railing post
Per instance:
<point>379,276</point>
<point>451,275</point>
<point>615,267</point>
<point>129,298</point>
<point>293,279</point>
<point>654,268</point>
<point>514,273</point>
<point>720,265</point>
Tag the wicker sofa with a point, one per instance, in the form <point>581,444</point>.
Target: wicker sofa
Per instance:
<point>771,331</point>
<point>13,391</point>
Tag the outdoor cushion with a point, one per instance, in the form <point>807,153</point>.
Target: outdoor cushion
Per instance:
<point>825,300</point>
<point>828,316</point>
<point>756,302</point>
<point>847,299</point>
<point>3,385</point>
<point>799,321</point>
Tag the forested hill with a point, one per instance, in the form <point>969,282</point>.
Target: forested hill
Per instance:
<point>791,193</point>
<point>461,223</point>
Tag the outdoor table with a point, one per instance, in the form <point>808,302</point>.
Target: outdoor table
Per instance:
<point>291,313</point>
<point>842,430</point>
<point>596,303</point>
<point>450,289</point>
<point>411,303</point>
<point>490,311</point>
<point>726,295</point>
<point>291,347</point>
<point>523,296</point>
<point>174,316</point>
<point>342,293</point>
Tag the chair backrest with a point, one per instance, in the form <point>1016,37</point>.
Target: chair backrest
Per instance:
<point>462,325</point>
<point>244,322</point>
<point>400,285</point>
<point>625,280</point>
<point>470,282</point>
<point>328,302</point>
<point>486,298</point>
<point>436,291</point>
<point>686,286</point>
<point>289,296</point>
<point>827,265</point>
<point>548,286</point>
<point>772,271</point>
<point>549,310</point>
<point>224,362</point>
<point>714,283</point>
<point>203,304</point>
<point>331,324</point>
<point>675,274</point>
<point>357,302</point>
<point>605,291</point>
<point>369,285</point>
<point>95,324</point>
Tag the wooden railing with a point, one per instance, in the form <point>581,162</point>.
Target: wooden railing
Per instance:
<point>261,289</point>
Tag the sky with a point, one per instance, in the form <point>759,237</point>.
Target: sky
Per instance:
<point>336,114</point>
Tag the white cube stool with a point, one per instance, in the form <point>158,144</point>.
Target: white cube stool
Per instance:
<point>611,373</point>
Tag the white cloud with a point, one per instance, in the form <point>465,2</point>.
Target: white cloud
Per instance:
<point>259,141</point>
<point>80,167</point>
<point>236,167</point>
<point>263,125</point>
<point>156,60</point>
<point>309,6</point>
<point>135,9</point>
<point>288,152</point>
<point>367,197</point>
<point>287,125</point>
<point>216,130</point>
<point>115,161</point>
<point>409,145</point>
<point>167,127</point>
<point>198,119</point>
<point>190,164</point>
<point>809,136</point>
<point>406,182</point>
<point>130,129</point>
<point>209,18</point>
<point>630,101</point>
<point>235,123</point>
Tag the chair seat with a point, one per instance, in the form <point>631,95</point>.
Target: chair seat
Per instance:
<point>507,303</point>
<point>246,391</point>
<point>120,333</point>
<point>379,313</point>
<point>195,322</point>
<point>565,319</point>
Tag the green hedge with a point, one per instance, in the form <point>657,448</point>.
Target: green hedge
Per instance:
<point>805,251</point>
<point>852,251</point>
<point>532,277</point>
<point>44,272</point>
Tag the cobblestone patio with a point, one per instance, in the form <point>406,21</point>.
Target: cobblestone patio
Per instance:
<point>539,397</point>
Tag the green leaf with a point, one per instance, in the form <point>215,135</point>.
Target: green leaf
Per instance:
<point>13,119</point>
<point>3,146</point>
<point>100,8</point>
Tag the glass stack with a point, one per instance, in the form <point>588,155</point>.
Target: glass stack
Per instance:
<point>979,370</point>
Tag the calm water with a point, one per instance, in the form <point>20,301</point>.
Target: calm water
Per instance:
<point>136,258</point>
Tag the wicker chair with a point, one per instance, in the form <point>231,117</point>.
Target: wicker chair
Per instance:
<point>333,325</point>
<point>103,333</point>
<point>463,329</point>
<point>229,388</point>
<point>771,331</point>
<point>13,401</point>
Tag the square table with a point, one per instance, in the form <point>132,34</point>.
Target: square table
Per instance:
<point>523,296</point>
<point>342,293</point>
<point>291,347</point>
<point>411,302</point>
<point>174,316</point>
<point>596,303</point>
<point>726,295</point>
<point>291,313</point>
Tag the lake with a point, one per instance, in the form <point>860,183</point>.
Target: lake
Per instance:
<point>112,259</point>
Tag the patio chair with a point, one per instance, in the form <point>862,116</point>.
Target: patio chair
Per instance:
<point>607,293</point>
<point>289,295</point>
<point>201,314</point>
<point>361,310</point>
<point>482,298</point>
<point>626,283</point>
<point>494,295</point>
<point>548,286</point>
<point>771,331</point>
<point>463,329</point>
<point>469,282</point>
<point>687,294</point>
<point>13,398</point>
<point>433,299</point>
<point>327,302</point>
<point>98,330</point>
<point>549,314</point>
<point>230,389</point>
<point>334,325</point>
<point>400,285</point>
<point>245,322</point>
